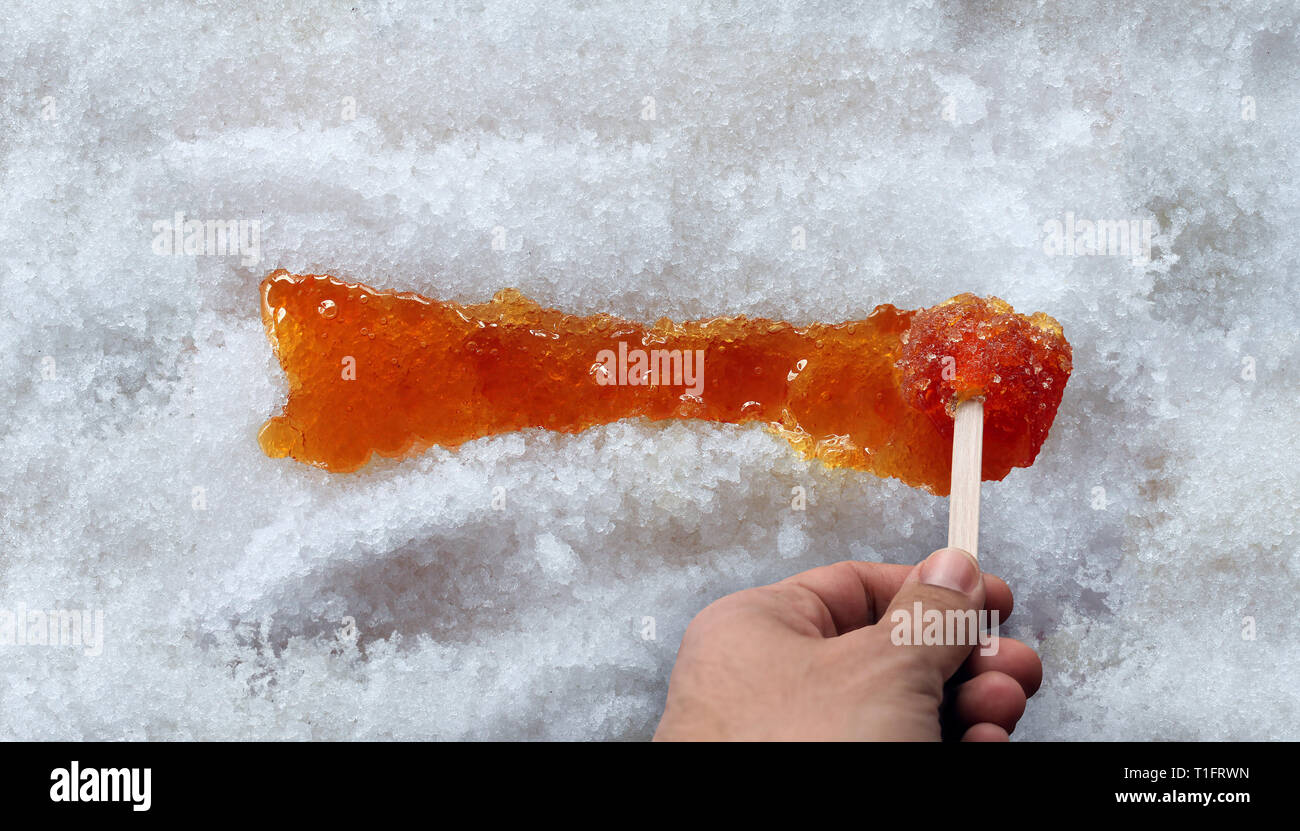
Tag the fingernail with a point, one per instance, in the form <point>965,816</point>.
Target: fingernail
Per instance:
<point>951,568</point>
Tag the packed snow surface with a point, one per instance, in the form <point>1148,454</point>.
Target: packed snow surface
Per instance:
<point>796,161</point>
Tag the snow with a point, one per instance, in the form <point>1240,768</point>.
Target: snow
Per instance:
<point>646,159</point>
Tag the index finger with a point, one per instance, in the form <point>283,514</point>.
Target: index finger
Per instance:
<point>857,593</point>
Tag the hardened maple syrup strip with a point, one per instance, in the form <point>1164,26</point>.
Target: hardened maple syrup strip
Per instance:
<point>393,373</point>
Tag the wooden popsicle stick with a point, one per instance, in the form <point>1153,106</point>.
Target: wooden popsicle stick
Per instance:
<point>964,501</point>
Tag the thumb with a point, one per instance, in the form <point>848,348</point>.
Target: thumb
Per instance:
<point>934,617</point>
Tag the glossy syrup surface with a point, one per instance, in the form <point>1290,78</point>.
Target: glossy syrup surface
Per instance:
<point>395,373</point>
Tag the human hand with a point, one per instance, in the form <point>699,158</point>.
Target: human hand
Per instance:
<point>812,657</point>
